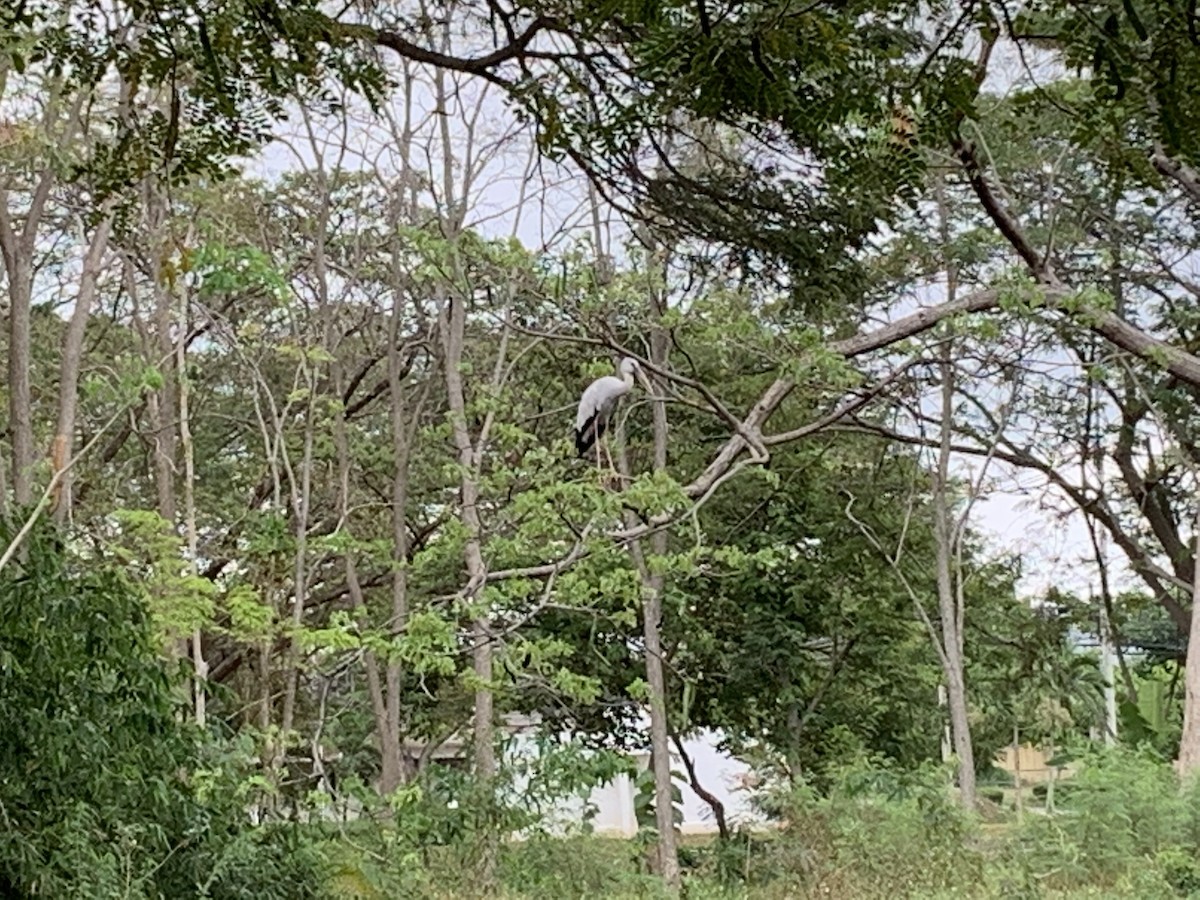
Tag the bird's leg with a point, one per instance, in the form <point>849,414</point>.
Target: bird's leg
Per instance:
<point>612,466</point>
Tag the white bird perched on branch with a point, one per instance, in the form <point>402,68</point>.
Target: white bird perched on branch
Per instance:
<point>597,404</point>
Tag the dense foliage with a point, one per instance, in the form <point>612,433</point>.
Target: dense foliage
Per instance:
<point>298,303</point>
<point>105,791</point>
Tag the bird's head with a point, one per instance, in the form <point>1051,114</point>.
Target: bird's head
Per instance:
<point>631,368</point>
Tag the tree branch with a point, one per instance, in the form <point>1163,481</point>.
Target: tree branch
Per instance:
<point>476,65</point>
<point>1156,577</point>
<point>1178,362</point>
<point>1182,174</point>
<point>1003,219</point>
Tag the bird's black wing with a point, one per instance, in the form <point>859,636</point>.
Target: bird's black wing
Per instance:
<point>591,432</point>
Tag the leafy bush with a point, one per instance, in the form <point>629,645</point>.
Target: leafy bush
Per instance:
<point>104,790</point>
<point>427,838</point>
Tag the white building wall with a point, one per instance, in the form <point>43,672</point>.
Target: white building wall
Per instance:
<point>613,802</point>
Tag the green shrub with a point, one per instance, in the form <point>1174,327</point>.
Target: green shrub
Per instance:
<point>1180,869</point>
<point>881,832</point>
<point>580,867</point>
<point>1123,809</point>
<point>104,790</point>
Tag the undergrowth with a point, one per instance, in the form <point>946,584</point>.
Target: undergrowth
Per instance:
<point>1124,830</point>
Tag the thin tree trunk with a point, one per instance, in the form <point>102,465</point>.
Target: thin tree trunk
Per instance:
<point>453,327</point>
<point>948,605</point>
<point>1189,741</point>
<point>652,610</point>
<point>301,501</point>
<point>452,316</point>
<point>792,754</point>
<point>17,250</point>
<point>331,340</point>
<point>713,801</point>
<point>3,489</point>
<point>162,407</point>
<point>154,333</point>
<point>948,535</point>
<point>159,350</point>
<point>797,720</point>
<point>63,447</point>
<point>394,769</point>
<point>1051,776</point>
<point>395,766</point>
<point>664,804</point>
<point>19,267</point>
<point>199,666</point>
<point>389,748</point>
<point>656,682</point>
<point>68,380</point>
<point>1019,792</point>
<point>264,685</point>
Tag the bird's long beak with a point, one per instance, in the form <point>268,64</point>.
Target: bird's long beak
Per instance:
<point>646,385</point>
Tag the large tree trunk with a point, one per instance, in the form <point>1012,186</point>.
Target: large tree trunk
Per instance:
<point>17,250</point>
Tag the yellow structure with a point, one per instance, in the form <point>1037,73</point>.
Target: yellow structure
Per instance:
<point>1030,763</point>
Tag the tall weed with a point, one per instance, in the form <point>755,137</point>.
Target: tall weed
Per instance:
<point>880,832</point>
<point>1123,809</point>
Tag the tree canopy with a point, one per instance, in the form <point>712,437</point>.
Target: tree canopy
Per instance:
<point>298,305</point>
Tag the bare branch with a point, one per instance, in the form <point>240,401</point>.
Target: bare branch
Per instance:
<point>1156,577</point>
<point>51,487</point>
